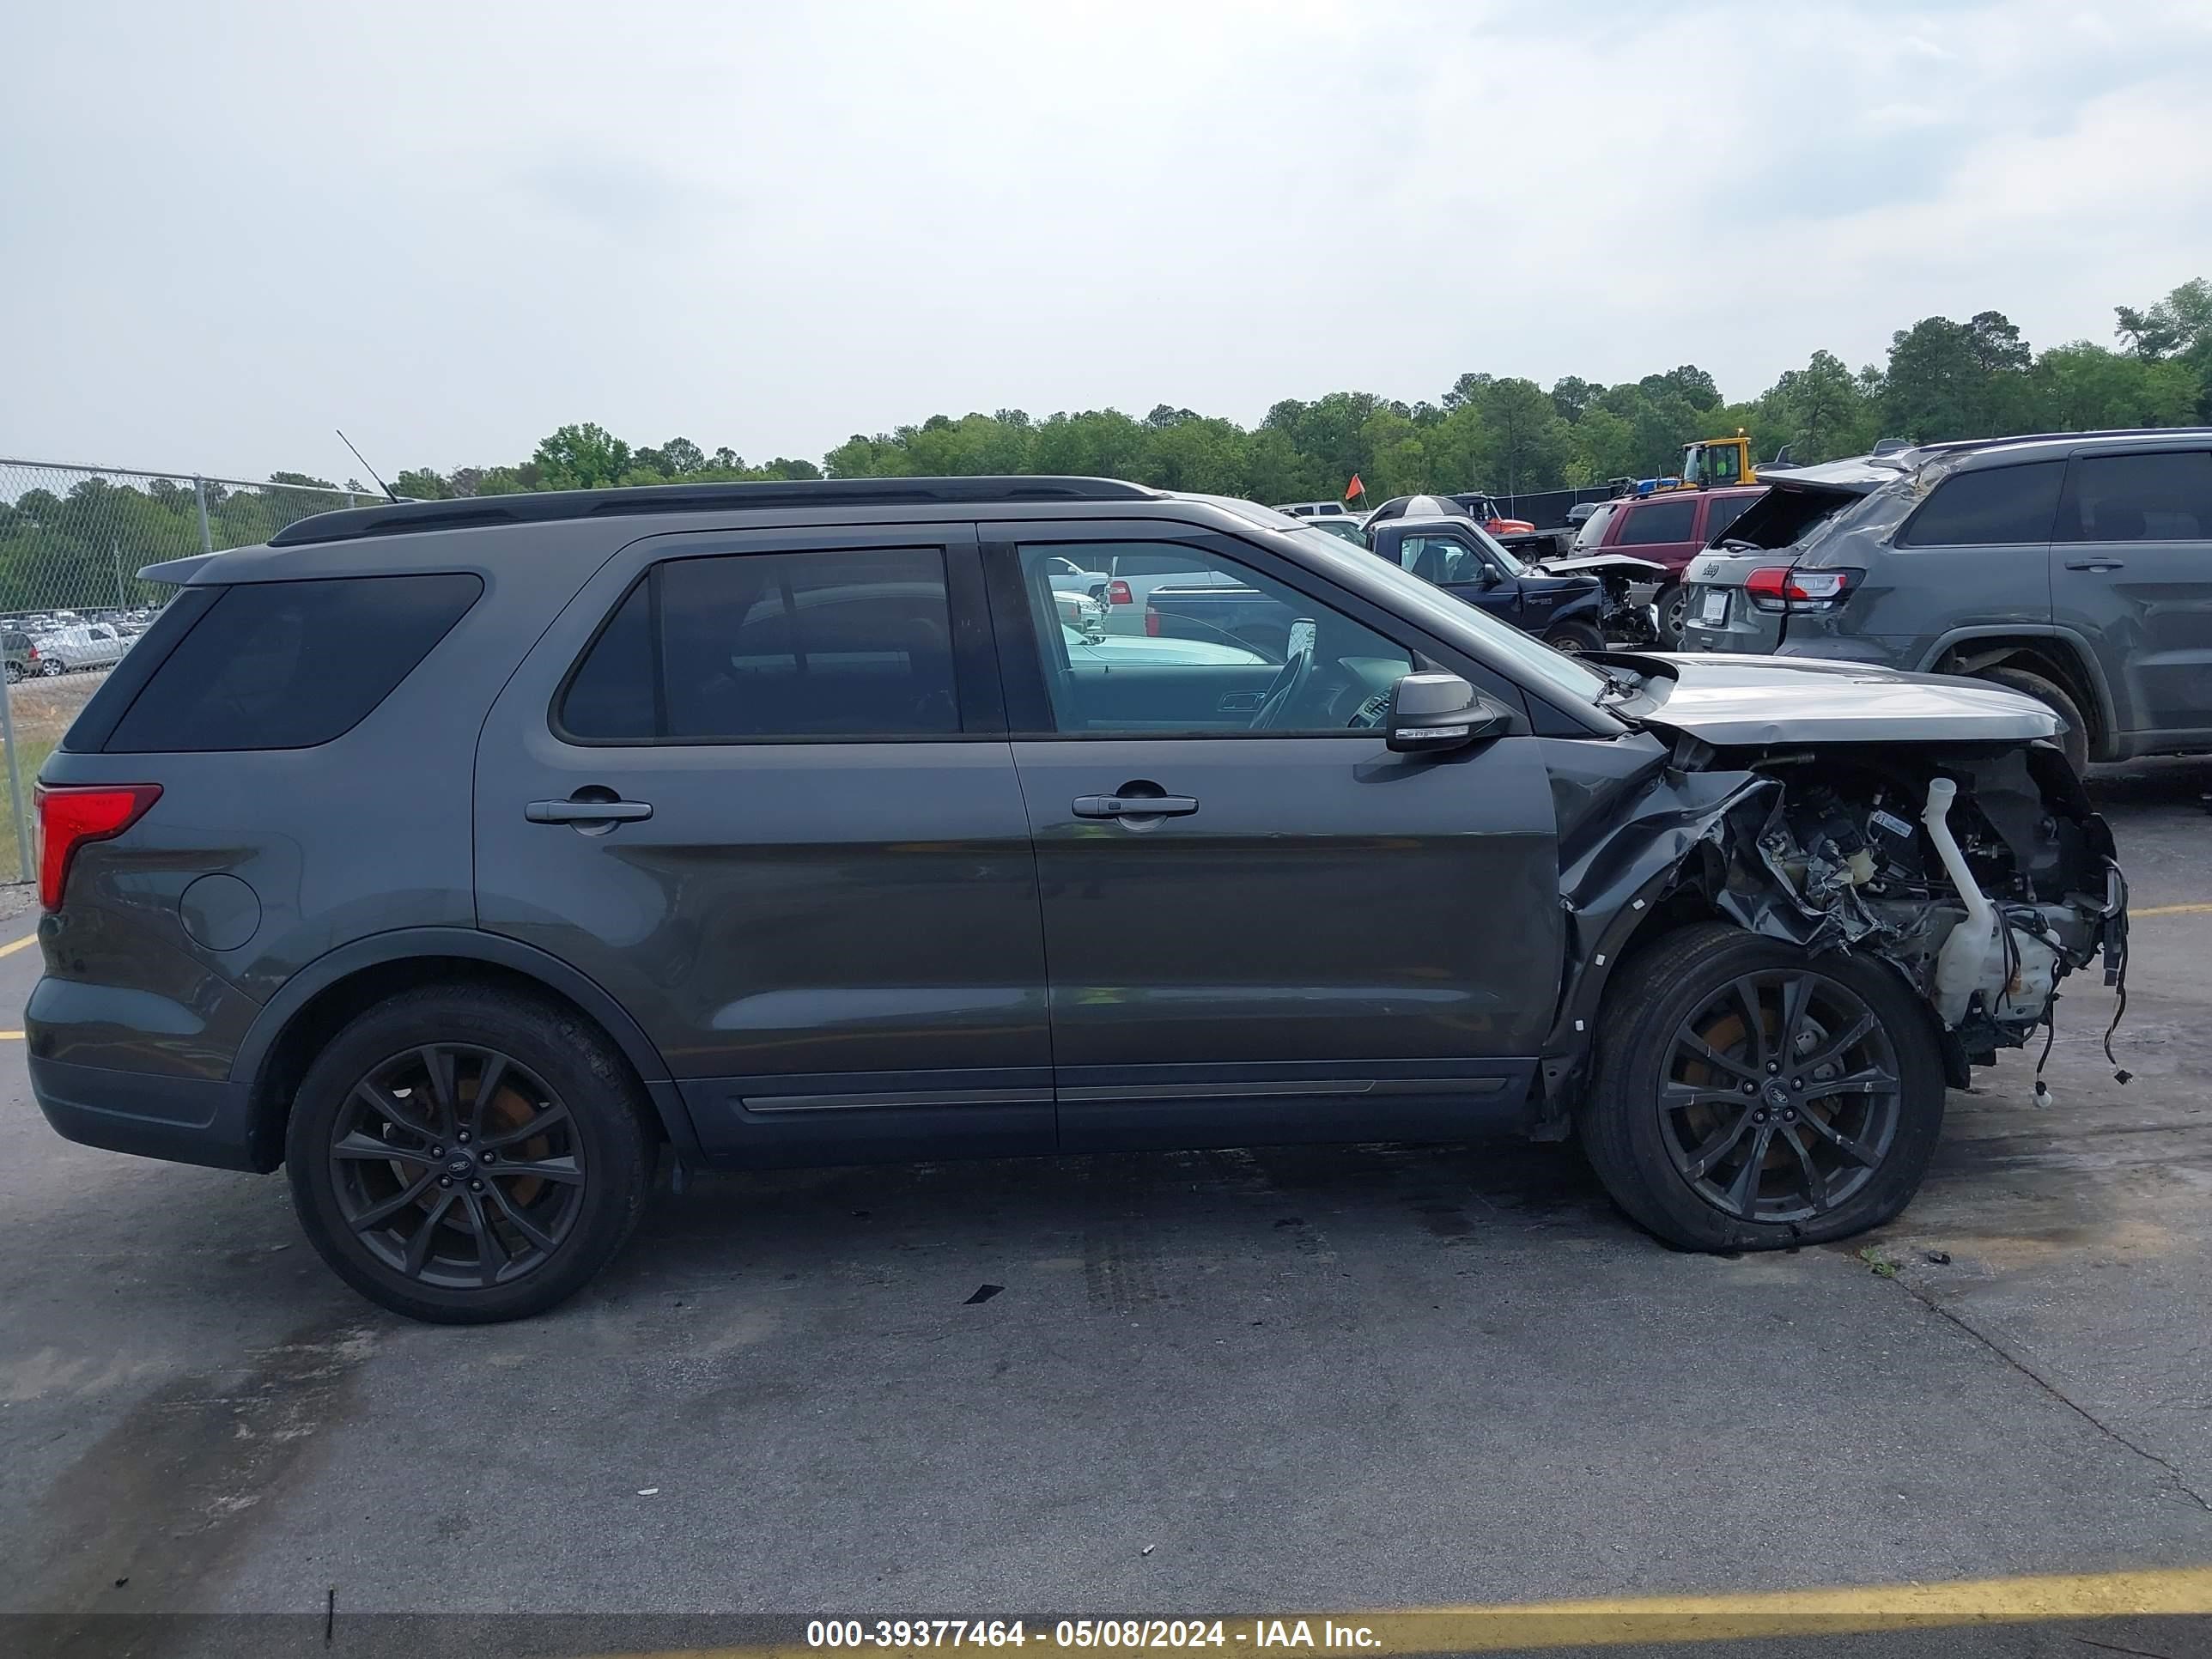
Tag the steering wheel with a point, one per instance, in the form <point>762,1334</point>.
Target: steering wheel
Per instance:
<point>1290,679</point>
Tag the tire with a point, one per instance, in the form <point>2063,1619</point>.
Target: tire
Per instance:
<point>14,673</point>
<point>1575,637</point>
<point>405,1212</point>
<point>2053,695</point>
<point>1671,603</point>
<point>53,667</point>
<point>1645,1149</point>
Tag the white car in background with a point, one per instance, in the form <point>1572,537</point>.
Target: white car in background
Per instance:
<point>85,645</point>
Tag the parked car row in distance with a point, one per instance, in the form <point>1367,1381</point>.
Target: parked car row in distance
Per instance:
<point>58,651</point>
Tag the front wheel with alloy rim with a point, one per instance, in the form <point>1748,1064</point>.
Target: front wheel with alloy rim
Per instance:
<point>463,1154</point>
<point>1671,611</point>
<point>1575,637</point>
<point>1749,1096</point>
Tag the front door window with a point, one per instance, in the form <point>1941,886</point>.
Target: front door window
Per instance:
<point>1217,649</point>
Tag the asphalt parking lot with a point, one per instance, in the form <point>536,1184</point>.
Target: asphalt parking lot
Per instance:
<point>1217,1383</point>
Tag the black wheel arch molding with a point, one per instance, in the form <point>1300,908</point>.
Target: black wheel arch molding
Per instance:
<point>399,946</point>
<point>1993,636</point>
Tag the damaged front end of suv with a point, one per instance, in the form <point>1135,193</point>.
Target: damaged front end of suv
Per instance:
<point>1927,830</point>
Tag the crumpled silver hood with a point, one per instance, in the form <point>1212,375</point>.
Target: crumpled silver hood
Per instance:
<point>1730,700</point>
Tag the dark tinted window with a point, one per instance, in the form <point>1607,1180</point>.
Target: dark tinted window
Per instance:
<point>1722,512</point>
<point>1994,506</point>
<point>2151,498</point>
<point>1652,522</point>
<point>772,644</point>
<point>290,665</point>
<point>611,695</point>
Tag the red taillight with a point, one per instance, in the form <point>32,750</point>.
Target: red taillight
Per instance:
<point>1151,621</point>
<point>33,653</point>
<point>1776,587</point>
<point>1117,593</point>
<point>71,815</point>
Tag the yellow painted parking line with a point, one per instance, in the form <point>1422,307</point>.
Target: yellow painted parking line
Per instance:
<point>11,1036</point>
<point>13,945</point>
<point>1657,1619</point>
<point>2148,910</point>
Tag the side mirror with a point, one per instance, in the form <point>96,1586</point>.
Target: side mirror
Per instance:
<point>1429,713</point>
<point>1489,578</point>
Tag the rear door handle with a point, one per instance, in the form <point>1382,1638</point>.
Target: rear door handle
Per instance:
<point>2096,564</point>
<point>587,811</point>
<point>1135,806</point>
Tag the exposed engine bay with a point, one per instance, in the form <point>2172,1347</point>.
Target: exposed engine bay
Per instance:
<point>1629,584</point>
<point>1986,884</point>
<point>1978,871</point>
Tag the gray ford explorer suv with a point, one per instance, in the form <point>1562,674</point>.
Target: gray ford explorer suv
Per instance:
<point>2075,569</point>
<point>459,856</point>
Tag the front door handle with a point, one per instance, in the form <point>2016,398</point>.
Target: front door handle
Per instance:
<point>587,811</point>
<point>2096,564</point>
<point>1135,806</point>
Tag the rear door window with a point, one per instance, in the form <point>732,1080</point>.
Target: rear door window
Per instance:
<point>1651,522</point>
<point>290,665</point>
<point>1990,508</point>
<point>1593,530</point>
<point>754,646</point>
<point>1722,511</point>
<point>2164,497</point>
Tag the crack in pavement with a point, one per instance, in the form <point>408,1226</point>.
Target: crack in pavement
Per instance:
<point>2052,1389</point>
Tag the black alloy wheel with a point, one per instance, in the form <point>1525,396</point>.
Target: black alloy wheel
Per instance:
<point>1747,1094</point>
<point>464,1153</point>
<point>1781,1096</point>
<point>458,1166</point>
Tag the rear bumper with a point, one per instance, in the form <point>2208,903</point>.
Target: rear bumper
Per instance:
<point>1745,630</point>
<point>183,1120</point>
<point>1881,649</point>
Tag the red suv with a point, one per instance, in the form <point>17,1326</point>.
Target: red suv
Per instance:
<point>1669,529</point>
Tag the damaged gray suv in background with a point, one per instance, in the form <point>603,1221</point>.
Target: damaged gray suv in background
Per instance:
<point>2074,568</point>
<point>458,857</point>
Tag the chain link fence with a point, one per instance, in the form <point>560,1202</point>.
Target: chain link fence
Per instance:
<point>72,542</point>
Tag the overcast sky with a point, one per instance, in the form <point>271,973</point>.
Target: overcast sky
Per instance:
<point>451,227</point>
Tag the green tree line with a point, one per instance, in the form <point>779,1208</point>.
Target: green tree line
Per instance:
<point>1941,379</point>
<point>82,544</point>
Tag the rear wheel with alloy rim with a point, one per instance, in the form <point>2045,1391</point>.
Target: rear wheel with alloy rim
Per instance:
<point>1749,1096</point>
<point>463,1154</point>
<point>2075,739</point>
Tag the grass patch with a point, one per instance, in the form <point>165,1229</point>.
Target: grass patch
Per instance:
<point>30,755</point>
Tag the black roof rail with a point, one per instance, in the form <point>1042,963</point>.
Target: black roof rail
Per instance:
<point>405,518</point>
<point>1952,446</point>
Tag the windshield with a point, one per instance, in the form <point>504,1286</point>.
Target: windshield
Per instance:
<point>1421,603</point>
<point>1497,550</point>
<point>1341,526</point>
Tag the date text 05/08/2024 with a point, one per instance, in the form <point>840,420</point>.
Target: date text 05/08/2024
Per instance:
<point>1291,1635</point>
